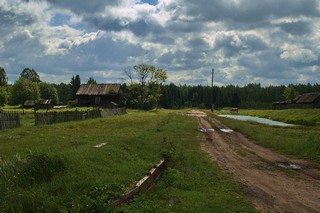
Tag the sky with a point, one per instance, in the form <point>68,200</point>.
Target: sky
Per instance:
<point>271,42</point>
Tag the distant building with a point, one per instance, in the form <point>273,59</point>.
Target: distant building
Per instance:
<point>304,101</point>
<point>38,104</point>
<point>106,95</point>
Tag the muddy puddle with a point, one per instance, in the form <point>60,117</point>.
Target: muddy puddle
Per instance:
<point>206,130</point>
<point>286,165</point>
<point>257,119</point>
<point>226,130</point>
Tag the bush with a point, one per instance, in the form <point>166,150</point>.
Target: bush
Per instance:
<point>73,103</point>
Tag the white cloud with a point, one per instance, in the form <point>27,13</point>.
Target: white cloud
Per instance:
<point>299,55</point>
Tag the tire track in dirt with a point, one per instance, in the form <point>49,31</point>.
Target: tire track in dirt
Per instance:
<point>272,189</point>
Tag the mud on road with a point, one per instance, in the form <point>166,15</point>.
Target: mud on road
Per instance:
<point>275,183</point>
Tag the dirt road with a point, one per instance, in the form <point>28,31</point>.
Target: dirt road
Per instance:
<point>274,182</point>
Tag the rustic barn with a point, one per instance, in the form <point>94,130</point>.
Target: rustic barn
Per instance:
<point>304,101</point>
<point>98,94</point>
<point>308,100</point>
<point>39,104</point>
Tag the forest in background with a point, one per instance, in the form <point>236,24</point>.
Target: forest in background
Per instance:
<point>251,96</point>
<point>152,91</point>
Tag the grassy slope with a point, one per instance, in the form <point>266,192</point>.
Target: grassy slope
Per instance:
<point>300,141</point>
<point>93,177</point>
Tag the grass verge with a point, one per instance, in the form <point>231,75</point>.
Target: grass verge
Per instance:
<point>299,142</point>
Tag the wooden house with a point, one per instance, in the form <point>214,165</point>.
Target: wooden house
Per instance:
<point>308,100</point>
<point>304,101</point>
<point>104,95</point>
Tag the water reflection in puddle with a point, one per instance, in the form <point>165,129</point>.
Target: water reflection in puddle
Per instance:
<point>256,119</point>
<point>226,130</point>
<point>206,130</point>
<point>286,165</point>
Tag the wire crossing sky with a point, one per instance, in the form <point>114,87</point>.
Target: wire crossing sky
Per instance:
<point>246,41</point>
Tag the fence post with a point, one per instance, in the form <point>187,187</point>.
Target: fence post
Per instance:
<point>35,117</point>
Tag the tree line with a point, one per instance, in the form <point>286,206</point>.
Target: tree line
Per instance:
<point>147,90</point>
<point>30,87</point>
<point>250,96</point>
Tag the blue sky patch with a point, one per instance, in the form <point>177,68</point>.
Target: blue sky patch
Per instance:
<point>152,2</point>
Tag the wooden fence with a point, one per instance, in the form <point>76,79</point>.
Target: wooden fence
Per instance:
<point>42,118</point>
<point>9,120</point>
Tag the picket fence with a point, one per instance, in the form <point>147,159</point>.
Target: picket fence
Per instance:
<point>43,118</point>
<point>9,120</point>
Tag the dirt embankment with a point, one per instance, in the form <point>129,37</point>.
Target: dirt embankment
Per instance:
<point>274,182</point>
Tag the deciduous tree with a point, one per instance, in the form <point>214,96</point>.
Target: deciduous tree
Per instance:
<point>48,91</point>
<point>24,89</point>
<point>31,75</point>
<point>290,93</point>
<point>145,91</point>
<point>3,96</point>
<point>3,77</point>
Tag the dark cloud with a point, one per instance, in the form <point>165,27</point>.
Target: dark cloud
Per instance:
<point>233,44</point>
<point>184,27</point>
<point>139,27</point>
<point>164,39</point>
<point>296,28</point>
<point>84,7</point>
<point>10,20</point>
<point>22,46</point>
<point>250,10</point>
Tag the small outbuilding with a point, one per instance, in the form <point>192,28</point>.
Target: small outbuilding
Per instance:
<point>39,104</point>
<point>105,95</point>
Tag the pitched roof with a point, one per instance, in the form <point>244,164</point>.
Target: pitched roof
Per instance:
<point>33,102</point>
<point>98,89</point>
<point>307,98</point>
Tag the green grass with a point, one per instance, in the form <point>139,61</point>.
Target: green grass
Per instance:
<point>299,142</point>
<point>80,178</point>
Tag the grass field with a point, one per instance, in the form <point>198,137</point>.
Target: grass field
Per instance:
<point>54,168</point>
<point>299,141</point>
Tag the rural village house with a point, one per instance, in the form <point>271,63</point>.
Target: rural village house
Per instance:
<point>307,100</point>
<point>106,95</point>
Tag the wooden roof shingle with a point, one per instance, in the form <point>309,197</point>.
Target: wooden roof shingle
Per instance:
<point>307,98</point>
<point>98,89</point>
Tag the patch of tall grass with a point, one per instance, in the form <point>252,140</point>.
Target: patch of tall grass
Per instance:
<point>18,174</point>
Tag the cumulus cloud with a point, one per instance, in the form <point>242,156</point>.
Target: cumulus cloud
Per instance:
<point>245,40</point>
<point>297,54</point>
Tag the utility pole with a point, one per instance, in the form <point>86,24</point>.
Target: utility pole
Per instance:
<point>212,90</point>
